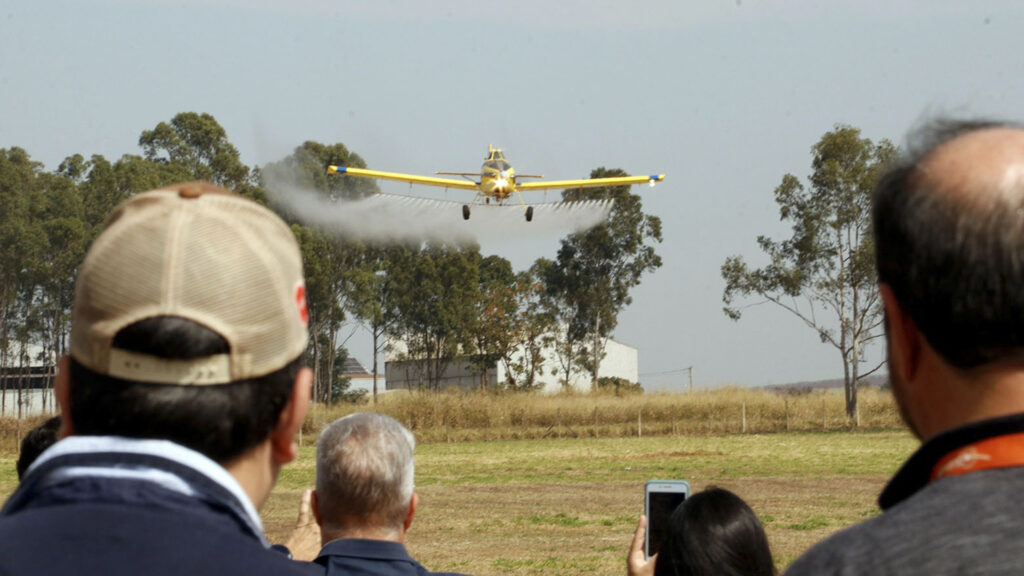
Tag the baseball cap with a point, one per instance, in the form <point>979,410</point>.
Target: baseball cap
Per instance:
<point>198,252</point>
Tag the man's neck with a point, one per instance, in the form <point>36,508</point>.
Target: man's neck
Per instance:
<point>363,533</point>
<point>980,394</point>
<point>254,473</point>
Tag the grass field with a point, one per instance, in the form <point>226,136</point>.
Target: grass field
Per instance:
<point>565,496</point>
<point>569,506</point>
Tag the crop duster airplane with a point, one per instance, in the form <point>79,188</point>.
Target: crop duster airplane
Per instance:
<point>497,181</point>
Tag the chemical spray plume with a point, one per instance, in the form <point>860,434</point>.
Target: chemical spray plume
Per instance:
<point>387,217</point>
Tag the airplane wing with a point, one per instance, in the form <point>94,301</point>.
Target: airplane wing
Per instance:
<point>590,182</point>
<point>411,178</point>
<point>463,174</point>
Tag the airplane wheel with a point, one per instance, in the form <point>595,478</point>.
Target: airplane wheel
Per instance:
<point>529,213</point>
<point>465,212</point>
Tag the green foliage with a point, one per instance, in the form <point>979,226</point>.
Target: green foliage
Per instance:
<point>341,386</point>
<point>334,266</point>
<point>197,143</point>
<point>532,329</point>
<point>618,386</point>
<point>492,328</point>
<point>50,218</point>
<point>595,270</point>
<point>435,307</point>
<point>306,167</point>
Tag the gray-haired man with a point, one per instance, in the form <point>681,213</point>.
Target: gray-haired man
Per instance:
<point>365,500</point>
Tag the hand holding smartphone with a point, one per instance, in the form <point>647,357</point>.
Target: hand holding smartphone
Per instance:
<point>661,498</point>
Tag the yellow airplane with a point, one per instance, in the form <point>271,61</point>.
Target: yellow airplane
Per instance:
<point>497,181</point>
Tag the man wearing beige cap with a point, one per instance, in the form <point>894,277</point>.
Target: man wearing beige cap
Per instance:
<point>181,397</point>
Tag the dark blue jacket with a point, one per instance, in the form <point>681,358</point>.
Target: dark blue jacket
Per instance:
<point>356,557</point>
<point>77,524</point>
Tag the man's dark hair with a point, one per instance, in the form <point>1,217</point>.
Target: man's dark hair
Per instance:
<point>955,262</point>
<point>36,442</point>
<point>714,533</point>
<point>219,421</point>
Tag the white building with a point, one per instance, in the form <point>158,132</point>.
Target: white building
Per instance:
<point>26,391</point>
<point>620,361</point>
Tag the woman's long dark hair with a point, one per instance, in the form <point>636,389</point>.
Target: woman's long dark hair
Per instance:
<point>715,533</point>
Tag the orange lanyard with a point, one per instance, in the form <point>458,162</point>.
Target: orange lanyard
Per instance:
<point>999,452</point>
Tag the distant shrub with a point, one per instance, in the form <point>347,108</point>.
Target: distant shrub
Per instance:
<point>619,386</point>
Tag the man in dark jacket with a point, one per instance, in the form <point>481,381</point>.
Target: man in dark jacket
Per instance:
<point>180,400</point>
<point>949,239</point>
<point>364,500</point>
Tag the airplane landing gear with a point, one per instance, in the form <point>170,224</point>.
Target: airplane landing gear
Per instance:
<point>529,213</point>
<point>465,211</point>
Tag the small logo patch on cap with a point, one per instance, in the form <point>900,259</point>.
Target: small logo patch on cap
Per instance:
<point>300,303</point>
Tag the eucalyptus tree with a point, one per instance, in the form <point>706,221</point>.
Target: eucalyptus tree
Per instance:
<point>596,269</point>
<point>492,325</point>
<point>434,307</point>
<point>532,331</point>
<point>199,144</point>
<point>824,273</point>
<point>332,260</point>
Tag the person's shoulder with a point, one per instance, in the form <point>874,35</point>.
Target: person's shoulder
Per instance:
<point>95,539</point>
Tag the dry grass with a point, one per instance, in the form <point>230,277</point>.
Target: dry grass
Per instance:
<point>476,416</point>
<point>457,417</point>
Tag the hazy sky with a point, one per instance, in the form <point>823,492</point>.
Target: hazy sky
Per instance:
<point>723,97</point>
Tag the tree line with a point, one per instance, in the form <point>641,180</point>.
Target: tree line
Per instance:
<point>445,301</point>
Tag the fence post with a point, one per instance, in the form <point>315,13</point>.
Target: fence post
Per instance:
<point>639,423</point>
<point>744,416</point>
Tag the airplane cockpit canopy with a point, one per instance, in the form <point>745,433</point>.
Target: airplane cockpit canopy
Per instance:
<point>497,164</point>
<point>496,155</point>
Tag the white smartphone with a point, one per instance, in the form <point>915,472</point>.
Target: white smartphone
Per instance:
<point>661,498</point>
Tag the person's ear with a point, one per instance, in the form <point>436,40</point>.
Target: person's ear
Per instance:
<point>314,504</point>
<point>905,340</point>
<point>62,388</point>
<point>413,503</point>
<point>282,438</point>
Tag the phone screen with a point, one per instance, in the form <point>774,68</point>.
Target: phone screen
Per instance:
<point>660,508</point>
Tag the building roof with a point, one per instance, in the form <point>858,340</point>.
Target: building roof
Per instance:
<point>354,369</point>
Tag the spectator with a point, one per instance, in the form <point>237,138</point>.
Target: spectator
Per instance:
<point>364,500</point>
<point>35,443</point>
<point>180,400</point>
<point>949,242</point>
<point>712,533</point>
